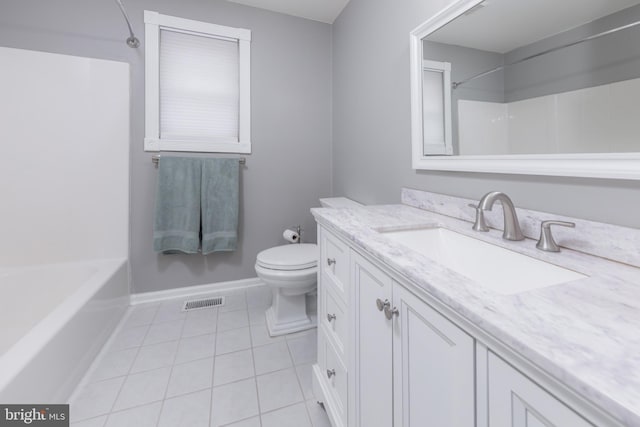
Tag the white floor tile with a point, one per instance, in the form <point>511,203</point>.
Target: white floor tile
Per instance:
<point>271,357</point>
<point>155,356</point>
<point>95,399</point>
<point>232,320</point>
<point>92,422</point>
<point>260,335</point>
<point>278,389</point>
<point>234,402</point>
<point>233,340</point>
<point>141,416</point>
<point>189,410</point>
<point>304,373</point>
<point>249,422</point>
<point>116,364</point>
<point>318,415</point>
<point>304,349</point>
<point>256,315</point>
<point>189,377</point>
<point>143,388</point>
<point>194,348</point>
<point>141,315</point>
<point>259,296</point>
<point>170,310</point>
<point>164,331</point>
<point>291,416</point>
<point>129,338</point>
<point>200,322</point>
<point>233,367</point>
<point>234,302</point>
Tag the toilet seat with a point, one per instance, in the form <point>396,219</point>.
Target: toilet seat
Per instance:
<point>293,257</point>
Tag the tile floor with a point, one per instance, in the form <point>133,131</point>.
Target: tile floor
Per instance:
<point>209,368</point>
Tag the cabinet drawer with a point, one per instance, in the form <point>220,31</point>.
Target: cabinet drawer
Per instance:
<point>334,263</point>
<point>334,374</point>
<point>515,400</point>
<point>334,319</point>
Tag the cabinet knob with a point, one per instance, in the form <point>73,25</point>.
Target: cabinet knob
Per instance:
<point>331,317</point>
<point>382,305</point>
<point>331,261</point>
<point>390,312</point>
<point>331,373</point>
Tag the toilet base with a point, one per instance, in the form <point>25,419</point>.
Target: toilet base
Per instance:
<point>288,314</point>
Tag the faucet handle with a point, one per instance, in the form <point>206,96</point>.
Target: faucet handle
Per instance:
<point>546,242</point>
<point>480,224</point>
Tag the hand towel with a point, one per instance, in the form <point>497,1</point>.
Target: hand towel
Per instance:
<point>220,204</point>
<point>177,216</point>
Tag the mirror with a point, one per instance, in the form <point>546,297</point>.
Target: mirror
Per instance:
<point>542,88</point>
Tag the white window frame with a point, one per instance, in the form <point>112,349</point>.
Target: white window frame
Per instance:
<point>154,22</point>
<point>445,146</point>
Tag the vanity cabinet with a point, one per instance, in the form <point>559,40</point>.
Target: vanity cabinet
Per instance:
<point>330,374</point>
<point>411,366</point>
<point>433,366</point>
<point>516,401</point>
<point>389,357</point>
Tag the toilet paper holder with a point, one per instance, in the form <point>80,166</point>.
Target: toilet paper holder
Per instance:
<point>293,236</point>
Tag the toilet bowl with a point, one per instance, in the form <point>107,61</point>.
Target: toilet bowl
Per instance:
<point>291,273</point>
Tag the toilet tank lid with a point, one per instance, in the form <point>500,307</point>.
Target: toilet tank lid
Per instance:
<point>339,202</point>
<point>295,256</point>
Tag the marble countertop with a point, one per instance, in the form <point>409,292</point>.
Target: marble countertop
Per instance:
<point>585,333</point>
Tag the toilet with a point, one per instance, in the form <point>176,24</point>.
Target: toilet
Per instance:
<point>291,273</point>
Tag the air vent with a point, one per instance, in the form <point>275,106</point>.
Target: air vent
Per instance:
<point>200,304</point>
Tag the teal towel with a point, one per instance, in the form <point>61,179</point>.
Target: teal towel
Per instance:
<point>177,217</point>
<point>220,202</point>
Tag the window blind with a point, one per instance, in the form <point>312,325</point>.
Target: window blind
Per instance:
<point>199,87</point>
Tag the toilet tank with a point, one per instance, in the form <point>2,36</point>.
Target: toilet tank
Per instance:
<point>339,202</point>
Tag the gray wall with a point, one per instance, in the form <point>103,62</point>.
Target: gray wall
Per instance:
<point>371,127</point>
<point>289,168</point>
<point>612,58</point>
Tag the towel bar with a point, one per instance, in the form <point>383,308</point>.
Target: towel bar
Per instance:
<point>156,159</point>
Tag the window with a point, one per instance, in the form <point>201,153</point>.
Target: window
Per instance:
<point>197,86</point>
<point>436,108</point>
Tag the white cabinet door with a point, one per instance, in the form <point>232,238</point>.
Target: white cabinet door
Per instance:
<point>373,393</point>
<point>433,367</point>
<point>516,401</point>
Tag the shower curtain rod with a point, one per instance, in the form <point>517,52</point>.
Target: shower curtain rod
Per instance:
<point>132,40</point>
<point>455,85</point>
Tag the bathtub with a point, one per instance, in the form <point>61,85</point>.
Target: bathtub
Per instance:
<point>54,319</point>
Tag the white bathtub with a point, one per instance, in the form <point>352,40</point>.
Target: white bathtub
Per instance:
<point>54,319</point>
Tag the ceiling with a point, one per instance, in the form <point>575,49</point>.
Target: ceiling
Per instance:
<point>318,10</point>
<point>503,25</point>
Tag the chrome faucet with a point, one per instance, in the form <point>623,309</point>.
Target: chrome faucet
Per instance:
<point>511,226</point>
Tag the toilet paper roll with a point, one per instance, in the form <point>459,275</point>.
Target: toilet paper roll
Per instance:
<point>291,236</point>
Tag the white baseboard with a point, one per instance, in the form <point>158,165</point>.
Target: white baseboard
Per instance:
<point>234,285</point>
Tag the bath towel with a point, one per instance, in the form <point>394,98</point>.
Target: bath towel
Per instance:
<point>220,203</point>
<point>177,217</point>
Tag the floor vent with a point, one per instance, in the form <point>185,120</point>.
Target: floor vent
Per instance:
<point>199,304</point>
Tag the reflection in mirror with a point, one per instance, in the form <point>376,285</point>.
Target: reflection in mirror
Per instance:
<point>537,78</point>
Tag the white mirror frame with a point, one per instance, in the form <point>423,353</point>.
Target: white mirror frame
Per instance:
<point>590,165</point>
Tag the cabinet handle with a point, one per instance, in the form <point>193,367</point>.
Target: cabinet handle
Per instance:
<point>331,317</point>
<point>382,305</point>
<point>331,261</point>
<point>331,373</point>
<point>389,312</point>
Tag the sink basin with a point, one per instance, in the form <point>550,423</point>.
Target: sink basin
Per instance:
<point>501,270</point>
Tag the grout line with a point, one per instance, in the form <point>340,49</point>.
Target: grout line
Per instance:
<point>255,372</point>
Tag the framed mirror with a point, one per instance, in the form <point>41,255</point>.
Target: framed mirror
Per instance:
<point>528,87</point>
